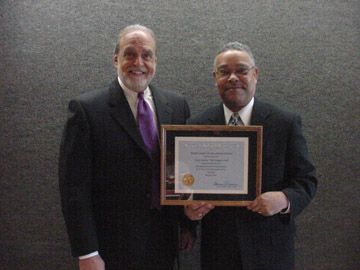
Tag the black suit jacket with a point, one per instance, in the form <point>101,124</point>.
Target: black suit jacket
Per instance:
<point>105,181</point>
<point>261,242</point>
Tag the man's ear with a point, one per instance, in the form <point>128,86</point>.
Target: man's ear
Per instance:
<point>116,60</point>
<point>255,73</point>
<point>214,75</point>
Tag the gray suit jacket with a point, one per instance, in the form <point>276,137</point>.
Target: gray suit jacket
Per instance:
<point>262,242</point>
<point>105,181</point>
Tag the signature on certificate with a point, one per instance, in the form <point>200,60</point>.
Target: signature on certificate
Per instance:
<point>225,184</point>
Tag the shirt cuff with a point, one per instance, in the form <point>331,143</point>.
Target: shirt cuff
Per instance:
<point>286,210</point>
<point>92,254</point>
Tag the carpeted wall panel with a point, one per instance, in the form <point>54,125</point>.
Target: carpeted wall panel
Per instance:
<point>308,58</point>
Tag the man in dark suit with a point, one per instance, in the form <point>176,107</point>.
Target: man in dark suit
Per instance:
<point>260,236</point>
<point>109,175</point>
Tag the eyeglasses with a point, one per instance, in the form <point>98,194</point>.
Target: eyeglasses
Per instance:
<point>241,72</point>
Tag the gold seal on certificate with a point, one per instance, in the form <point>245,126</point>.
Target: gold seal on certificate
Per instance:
<point>188,179</point>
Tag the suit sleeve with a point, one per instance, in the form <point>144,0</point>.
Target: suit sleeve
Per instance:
<point>75,175</point>
<point>299,170</point>
<point>186,111</point>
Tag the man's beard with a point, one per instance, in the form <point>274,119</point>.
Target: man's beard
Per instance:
<point>137,84</point>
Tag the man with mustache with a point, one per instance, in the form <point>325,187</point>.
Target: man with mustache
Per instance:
<point>261,235</point>
<point>109,166</point>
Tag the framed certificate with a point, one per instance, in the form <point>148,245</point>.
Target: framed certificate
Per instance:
<point>217,164</point>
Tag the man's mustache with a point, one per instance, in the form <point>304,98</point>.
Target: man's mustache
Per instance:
<point>230,86</point>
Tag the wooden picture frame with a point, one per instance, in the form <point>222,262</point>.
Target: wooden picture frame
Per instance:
<point>216,164</point>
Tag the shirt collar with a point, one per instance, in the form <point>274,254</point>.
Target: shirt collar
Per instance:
<point>131,96</point>
<point>245,113</point>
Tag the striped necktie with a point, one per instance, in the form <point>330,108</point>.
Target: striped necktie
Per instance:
<point>235,120</point>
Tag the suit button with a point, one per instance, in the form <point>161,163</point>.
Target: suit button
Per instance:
<point>148,195</point>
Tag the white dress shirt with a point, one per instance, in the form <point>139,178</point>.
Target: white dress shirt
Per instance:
<point>132,99</point>
<point>245,113</point>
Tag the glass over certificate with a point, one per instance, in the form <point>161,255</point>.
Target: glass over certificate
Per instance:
<point>211,165</point>
<point>219,164</point>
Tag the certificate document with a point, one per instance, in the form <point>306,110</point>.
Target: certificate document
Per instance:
<point>211,165</point>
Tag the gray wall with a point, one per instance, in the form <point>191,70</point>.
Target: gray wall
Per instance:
<point>308,58</point>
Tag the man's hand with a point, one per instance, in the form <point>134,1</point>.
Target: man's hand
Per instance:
<point>92,263</point>
<point>196,211</point>
<point>269,203</point>
<point>187,240</point>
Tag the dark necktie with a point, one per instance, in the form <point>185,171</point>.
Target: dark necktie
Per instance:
<point>150,136</point>
<point>235,120</point>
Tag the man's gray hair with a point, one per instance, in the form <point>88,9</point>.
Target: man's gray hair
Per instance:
<point>130,28</point>
<point>237,46</point>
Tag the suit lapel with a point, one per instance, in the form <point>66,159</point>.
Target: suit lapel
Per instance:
<point>261,113</point>
<point>163,111</point>
<point>121,112</point>
<point>218,116</point>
